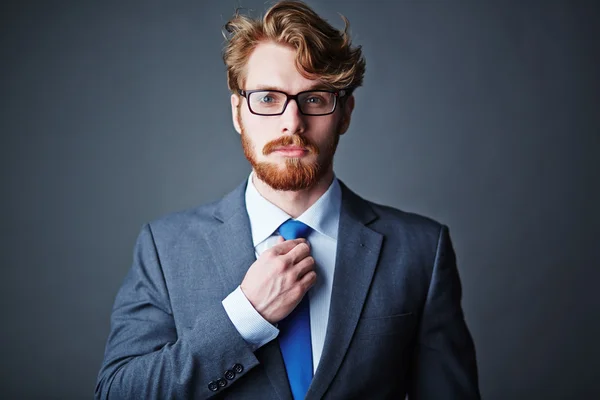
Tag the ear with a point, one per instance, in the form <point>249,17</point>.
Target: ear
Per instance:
<point>235,104</point>
<point>347,113</point>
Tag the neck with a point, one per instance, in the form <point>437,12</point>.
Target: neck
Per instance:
<point>294,203</point>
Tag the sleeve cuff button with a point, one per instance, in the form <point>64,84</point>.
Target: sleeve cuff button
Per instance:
<point>229,375</point>
<point>213,386</point>
<point>237,368</point>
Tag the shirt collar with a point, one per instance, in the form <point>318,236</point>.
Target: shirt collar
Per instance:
<point>265,217</point>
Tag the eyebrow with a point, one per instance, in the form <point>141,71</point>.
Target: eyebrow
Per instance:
<point>280,89</point>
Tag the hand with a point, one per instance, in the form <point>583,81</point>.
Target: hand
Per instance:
<point>278,280</point>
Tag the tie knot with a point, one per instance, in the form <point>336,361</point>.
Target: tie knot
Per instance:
<point>292,229</point>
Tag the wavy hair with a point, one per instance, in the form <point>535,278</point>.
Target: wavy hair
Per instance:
<point>322,52</point>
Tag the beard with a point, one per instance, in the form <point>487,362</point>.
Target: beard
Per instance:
<point>297,174</point>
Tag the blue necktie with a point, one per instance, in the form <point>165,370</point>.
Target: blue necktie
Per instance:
<point>294,330</point>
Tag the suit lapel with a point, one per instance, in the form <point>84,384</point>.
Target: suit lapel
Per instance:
<point>357,253</point>
<point>231,246</point>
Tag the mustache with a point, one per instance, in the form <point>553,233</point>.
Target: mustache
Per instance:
<point>293,140</point>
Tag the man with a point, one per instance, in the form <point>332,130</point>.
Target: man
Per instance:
<point>291,286</point>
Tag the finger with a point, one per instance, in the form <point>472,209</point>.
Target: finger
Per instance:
<point>285,246</point>
<point>298,253</point>
<point>303,267</point>
<point>308,280</point>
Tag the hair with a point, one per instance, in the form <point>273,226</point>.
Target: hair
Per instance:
<point>322,52</point>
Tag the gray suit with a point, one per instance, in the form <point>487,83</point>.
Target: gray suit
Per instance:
<point>396,325</point>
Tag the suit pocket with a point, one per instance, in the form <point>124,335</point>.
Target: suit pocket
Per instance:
<point>387,325</point>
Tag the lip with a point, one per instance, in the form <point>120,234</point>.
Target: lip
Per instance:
<point>291,151</point>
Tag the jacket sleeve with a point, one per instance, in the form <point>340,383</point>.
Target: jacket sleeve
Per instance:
<point>146,357</point>
<point>444,363</point>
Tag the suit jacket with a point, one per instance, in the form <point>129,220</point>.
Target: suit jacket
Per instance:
<point>396,325</point>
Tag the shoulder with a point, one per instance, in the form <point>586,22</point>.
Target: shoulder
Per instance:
<point>200,219</point>
<point>409,239</point>
<point>178,229</point>
<point>409,231</point>
<point>184,220</point>
<point>393,220</point>
<point>407,220</point>
<point>407,236</point>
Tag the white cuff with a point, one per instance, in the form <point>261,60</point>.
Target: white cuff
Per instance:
<point>255,330</point>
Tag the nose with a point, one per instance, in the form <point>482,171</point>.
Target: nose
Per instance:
<point>292,121</point>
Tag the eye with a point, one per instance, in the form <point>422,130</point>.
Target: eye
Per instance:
<point>266,99</point>
<point>314,100</point>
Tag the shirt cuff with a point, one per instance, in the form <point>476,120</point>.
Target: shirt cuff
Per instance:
<point>255,330</point>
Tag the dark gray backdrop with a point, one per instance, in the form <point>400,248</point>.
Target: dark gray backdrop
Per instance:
<point>483,116</point>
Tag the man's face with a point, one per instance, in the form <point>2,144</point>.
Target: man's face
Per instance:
<point>291,151</point>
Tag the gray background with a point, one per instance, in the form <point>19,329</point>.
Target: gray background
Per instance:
<point>481,115</point>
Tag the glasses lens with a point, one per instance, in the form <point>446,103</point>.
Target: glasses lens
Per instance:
<point>266,102</point>
<point>317,102</point>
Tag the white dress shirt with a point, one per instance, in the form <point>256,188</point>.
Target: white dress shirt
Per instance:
<point>265,217</point>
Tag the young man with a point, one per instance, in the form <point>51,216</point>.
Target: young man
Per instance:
<point>291,286</point>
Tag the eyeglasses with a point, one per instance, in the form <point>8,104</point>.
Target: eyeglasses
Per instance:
<point>310,102</point>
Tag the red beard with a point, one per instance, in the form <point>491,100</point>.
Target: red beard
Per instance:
<point>297,173</point>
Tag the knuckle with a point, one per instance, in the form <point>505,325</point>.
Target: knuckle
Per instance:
<point>269,254</point>
<point>299,247</point>
<point>279,265</point>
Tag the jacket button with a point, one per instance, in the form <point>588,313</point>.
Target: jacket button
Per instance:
<point>213,386</point>
<point>229,375</point>
<point>237,368</point>
<point>222,383</point>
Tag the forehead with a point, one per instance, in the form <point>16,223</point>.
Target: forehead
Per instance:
<point>273,66</point>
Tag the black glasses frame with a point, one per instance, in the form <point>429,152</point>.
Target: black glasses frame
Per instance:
<point>337,93</point>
